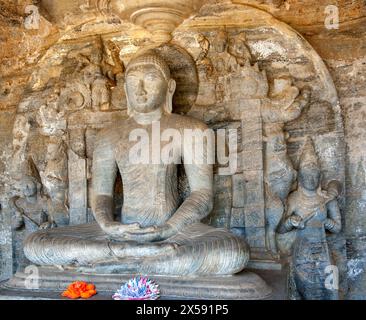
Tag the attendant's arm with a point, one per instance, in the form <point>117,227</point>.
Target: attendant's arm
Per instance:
<point>285,224</point>
<point>333,223</point>
<point>295,109</point>
<point>290,221</point>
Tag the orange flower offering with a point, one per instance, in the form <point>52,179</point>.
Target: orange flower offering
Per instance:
<point>80,289</point>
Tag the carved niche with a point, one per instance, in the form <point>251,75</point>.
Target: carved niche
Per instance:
<point>261,77</point>
<point>257,77</point>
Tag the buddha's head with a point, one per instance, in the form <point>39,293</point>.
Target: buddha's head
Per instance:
<point>309,170</point>
<point>148,84</point>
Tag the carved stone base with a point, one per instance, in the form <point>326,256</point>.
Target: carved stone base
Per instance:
<point>264,260</point>
<point>244,286</point>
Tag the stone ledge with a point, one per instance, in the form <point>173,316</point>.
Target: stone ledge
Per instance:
<point>244,286</point>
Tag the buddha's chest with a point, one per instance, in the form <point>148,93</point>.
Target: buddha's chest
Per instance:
<point>148,147</point>
<point>147,170</point>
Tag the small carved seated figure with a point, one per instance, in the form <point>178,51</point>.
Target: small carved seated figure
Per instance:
<point>312,212</point>
<point>31,209</point>
<point>30,213</point>
<point>159,233</point>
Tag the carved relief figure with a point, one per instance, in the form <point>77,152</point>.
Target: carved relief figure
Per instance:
<point>221,61</point>
<point>20,139</point>
<point>286,104</point>
<point>52,167</point>
<point>113,68</point>
<point>204,46</point>
<point>222,57</point>
<point>112,71</point>
<point>55,180</point>
<point>75,96</point>
<point>31,209</point>
<point>50,118</point>
<point>34,138</point>
<point>161,234</point>
<point>204,63</point>
<point>30,213</point>
<point>239,51</point>
<point>100,93</point>
<point>206,73</point>
<point>311,212</point>
<point>90,66</point>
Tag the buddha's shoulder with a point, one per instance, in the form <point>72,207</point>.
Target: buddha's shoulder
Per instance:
<point>186,122</point>
<point>111,134</point>
<point>117,127</point>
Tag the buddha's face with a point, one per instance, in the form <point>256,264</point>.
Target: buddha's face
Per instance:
<point>309,177</point>
<point>146,88</point>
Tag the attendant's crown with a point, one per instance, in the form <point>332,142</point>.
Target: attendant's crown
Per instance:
<point>308,156</point>
<point>150,57</point>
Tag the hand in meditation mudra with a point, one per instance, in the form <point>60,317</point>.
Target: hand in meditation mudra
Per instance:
<point>159,234</point>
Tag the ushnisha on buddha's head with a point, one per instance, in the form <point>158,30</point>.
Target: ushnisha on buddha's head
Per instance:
<point>149,86</point>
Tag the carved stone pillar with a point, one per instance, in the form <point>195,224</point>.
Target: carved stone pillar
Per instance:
<point>77,189</point>
<point>252,158</point>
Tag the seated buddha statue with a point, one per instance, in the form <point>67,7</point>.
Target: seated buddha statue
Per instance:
<point>158,233</point>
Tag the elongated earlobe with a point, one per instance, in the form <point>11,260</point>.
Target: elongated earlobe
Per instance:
<point>129,110</point>
<point>169,96</point>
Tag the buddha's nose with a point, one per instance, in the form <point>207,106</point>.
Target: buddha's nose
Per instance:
<point>140,89</point>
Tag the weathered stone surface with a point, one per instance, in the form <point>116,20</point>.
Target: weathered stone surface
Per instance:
<point>244,286</point>
<point>237,219</point>
<point>220,215</point>
<point>60,53</point>
<point>238,191</point>
<point>6,250</point>
<point>78,192</point>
